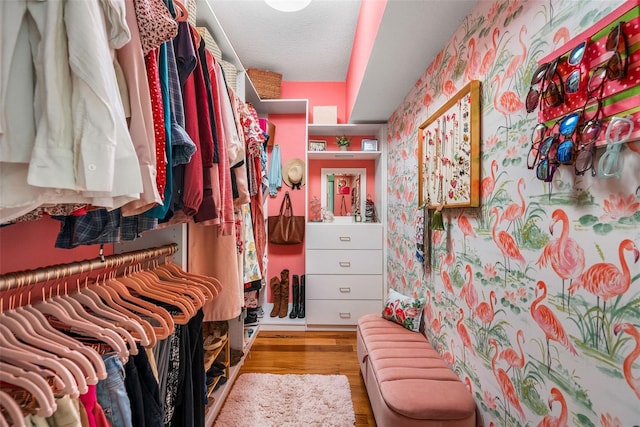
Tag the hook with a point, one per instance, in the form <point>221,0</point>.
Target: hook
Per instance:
<point>101,252</point>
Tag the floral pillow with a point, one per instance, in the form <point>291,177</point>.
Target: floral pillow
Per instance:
<point>403,310</point>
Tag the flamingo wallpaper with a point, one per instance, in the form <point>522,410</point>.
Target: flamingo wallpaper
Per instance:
<point>534,297</point>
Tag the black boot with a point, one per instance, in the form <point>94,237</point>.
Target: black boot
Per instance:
<point>295,287</point>
<point>301,302</point>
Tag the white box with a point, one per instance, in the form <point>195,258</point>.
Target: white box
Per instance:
<point>325,115</point>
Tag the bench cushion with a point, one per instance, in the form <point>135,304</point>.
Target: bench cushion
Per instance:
<point>410,376</point>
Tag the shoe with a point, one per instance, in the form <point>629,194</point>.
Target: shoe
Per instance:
<point>284,293</point>
<point>221,381</point>
<point>275,295</point>
<point>252,317</point>
<point>211,343</point>
<point>301,299</point>
<point>236,356</point>
<point>295,289</point>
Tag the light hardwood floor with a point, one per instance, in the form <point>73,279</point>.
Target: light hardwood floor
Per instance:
<point>328,353</point>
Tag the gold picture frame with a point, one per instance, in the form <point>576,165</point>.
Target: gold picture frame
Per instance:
<point>449,152</point>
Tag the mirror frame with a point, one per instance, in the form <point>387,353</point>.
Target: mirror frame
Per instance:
<point>324,172</point>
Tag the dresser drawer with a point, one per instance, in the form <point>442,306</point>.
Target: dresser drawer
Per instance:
<point>332,312</point>
<point>339,287</point>
<point>344,236</point>
<point>343,262</point>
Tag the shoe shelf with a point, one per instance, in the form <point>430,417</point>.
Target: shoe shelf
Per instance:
<point>211,357</point>
<point>268,323</point>
<point>218,397</point>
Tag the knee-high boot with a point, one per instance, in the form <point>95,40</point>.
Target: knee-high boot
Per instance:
<point>295,289</point>
<point>275,294</point>
<point>301,300</point>
<point>284,293</point>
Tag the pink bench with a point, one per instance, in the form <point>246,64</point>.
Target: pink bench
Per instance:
<point>407,381</point>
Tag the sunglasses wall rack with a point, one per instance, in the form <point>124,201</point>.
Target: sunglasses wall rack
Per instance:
<point>594,75</point>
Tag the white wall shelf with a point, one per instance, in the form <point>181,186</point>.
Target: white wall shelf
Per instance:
<point>345,129</point>
<point>343,155</point>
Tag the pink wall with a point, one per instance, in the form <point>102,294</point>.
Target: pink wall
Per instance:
<point>29,245</point>
<point>318,94</point>
<point>369,19</point>
<point>291,137</point>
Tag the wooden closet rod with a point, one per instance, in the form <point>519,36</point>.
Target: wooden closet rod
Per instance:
<point>29,277</point>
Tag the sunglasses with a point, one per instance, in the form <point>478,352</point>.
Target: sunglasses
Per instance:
<point>566,147</point>
<point>587,149</point>
<point>547,155</point>
<point>618,132</point>
<point>573,80</point>
<point>537,136</point>
<point>551,91</point>
<point>617,65</point>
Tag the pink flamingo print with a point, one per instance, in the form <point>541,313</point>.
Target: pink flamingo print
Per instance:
<point>468,291</point>
<point>473,61</point>
<point>606,280</point>
<point>632,357</point>
<point>446,279</point>
<point>490,55</point>
<point>517,60</point>
<point>549,323</point>
<point>467,382</point>
<point>507,103</point>
<point>514,210</point>
<point>449,88</point>
<point>514,358</point>
<point>564,254</point>
<point>436,324</point>
<point>428,310</point>
<point>488,183</point>
<point>448,355</point>
<point>506,385</point>
<point>465,226</point>
<point>485,310</point>
<point>550,420</point>
<point>452,60</point>
<point>506,243</point>
<point>561,36</point>
<point>464,336</point>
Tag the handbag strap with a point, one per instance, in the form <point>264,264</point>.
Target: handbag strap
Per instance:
<point>285,206</point>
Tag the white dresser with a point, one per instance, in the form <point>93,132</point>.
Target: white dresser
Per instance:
<point>344,272</point>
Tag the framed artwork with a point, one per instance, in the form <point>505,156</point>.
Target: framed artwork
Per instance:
<point>449,152</point>
<point>317,145</point>
<point>369,145</point>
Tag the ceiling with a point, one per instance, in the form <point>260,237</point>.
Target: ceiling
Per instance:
<point>314,45</point>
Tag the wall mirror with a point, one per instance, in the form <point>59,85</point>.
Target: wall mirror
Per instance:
<point>344,192</point>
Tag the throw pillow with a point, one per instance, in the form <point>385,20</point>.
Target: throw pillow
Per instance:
<point>403,310</point>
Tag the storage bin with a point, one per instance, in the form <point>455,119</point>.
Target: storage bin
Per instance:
<point>267,83</point>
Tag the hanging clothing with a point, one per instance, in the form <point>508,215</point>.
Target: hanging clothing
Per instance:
<point>216,255</point>
<point>141,123</point>
<point>78,97</point>
<point>275,171</point>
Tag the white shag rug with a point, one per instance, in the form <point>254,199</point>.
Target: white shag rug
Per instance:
<point>272,400</point>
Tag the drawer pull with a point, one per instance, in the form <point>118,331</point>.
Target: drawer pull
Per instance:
<point>345,238</point>
<point>345,264</point>
<point>345,315</point>
<point>345,290</point>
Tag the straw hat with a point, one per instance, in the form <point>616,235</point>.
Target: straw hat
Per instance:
<point>293,173</point>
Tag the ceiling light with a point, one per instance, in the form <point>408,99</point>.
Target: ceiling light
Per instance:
<point>288,5</point>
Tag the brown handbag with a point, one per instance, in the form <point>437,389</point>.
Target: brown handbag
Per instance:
<point>285,228</point>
